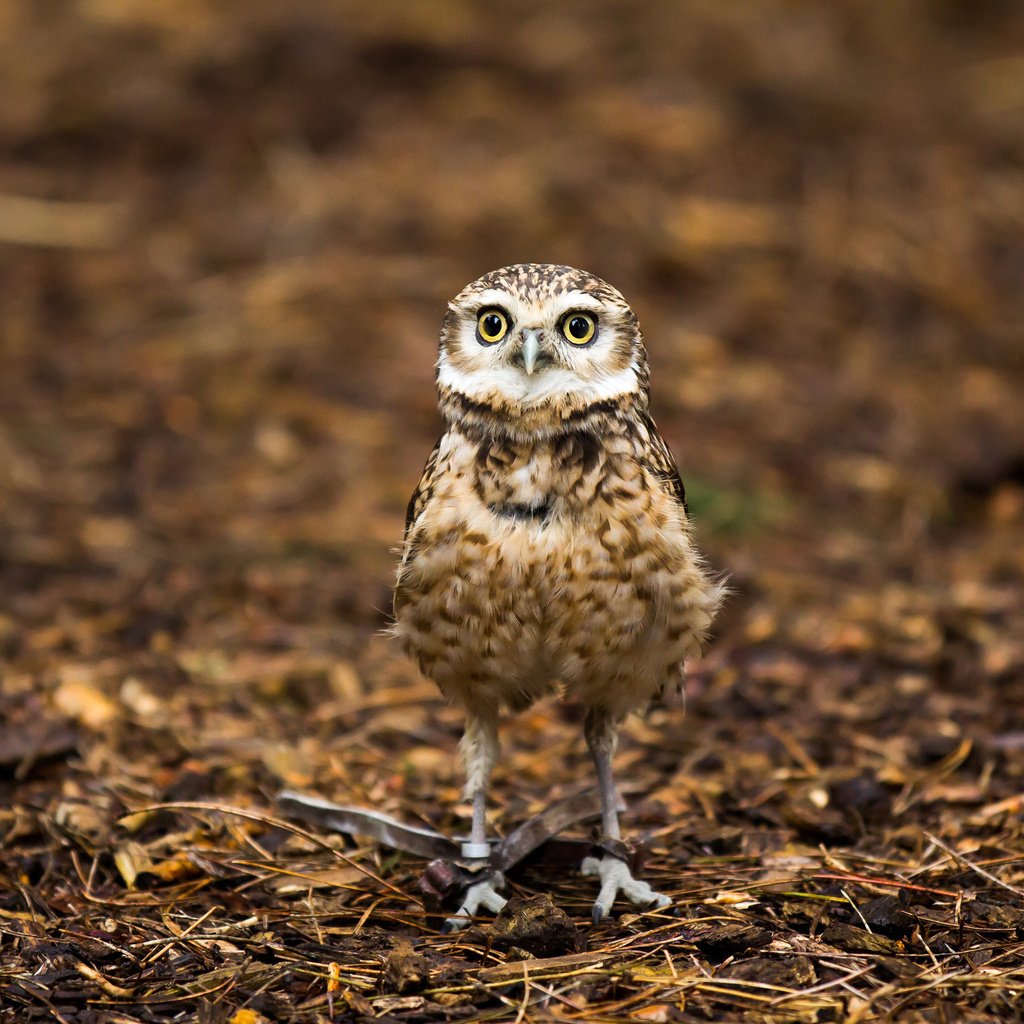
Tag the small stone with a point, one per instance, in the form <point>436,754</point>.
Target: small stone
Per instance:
<point>864,796</point>
<point>404,970</point>
<point>720,941</point>
<point>787,972</point>
<point>535,925</point>
<point>887,914</point>
<point>856,940</point>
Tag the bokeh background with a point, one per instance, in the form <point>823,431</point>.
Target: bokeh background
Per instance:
<point>228,231</point>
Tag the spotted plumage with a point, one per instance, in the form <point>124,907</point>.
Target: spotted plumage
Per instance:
<point>548,543</point>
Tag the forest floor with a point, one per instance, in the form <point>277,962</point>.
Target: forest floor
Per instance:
<point>227,234</point>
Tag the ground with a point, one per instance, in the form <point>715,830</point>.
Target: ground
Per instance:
<point>227,234</point>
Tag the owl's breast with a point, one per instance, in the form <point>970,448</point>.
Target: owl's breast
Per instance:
<point>540,481</point>
<point>514,481</point>
<point>567,565</point>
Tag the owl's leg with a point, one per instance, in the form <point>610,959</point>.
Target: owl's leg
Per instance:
<point>479,749</point>
<point>602,738</point>
<point>600,730</point>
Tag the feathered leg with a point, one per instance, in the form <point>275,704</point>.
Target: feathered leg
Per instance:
<point>601,733</point>
<point>479,750</point>
<point>602,739</point>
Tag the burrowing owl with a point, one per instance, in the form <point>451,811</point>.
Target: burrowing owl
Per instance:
<point>548,542</point>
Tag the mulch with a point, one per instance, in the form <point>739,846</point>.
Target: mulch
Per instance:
<point>227,234</point>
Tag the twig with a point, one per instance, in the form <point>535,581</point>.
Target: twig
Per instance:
<point>25,220</point>
<point>974,867</point>
<point>891,883</point>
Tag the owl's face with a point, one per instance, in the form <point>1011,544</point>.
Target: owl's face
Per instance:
<point>536,335</point>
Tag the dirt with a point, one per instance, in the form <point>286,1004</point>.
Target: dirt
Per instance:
<point>227,235</point>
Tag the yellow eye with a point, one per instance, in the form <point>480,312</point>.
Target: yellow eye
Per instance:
<point>491,326</point>
<point>579,328</point>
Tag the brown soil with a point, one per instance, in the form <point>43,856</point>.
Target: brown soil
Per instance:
<point>227,232</point>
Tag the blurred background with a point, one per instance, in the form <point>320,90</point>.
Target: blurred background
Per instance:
<point>228,231</point>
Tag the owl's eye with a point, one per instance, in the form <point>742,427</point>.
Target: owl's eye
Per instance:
<point>579,328</point>
<point>491,326</point>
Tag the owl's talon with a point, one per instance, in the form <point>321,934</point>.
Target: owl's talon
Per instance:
<point>480,894</point>
<point>616,878</point>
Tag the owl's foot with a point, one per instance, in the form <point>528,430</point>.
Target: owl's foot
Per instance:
<point>480,894</point>
<point>616,878</point>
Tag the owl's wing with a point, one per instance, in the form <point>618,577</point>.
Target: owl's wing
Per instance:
<point>662,464</point>
<point>424,489</point>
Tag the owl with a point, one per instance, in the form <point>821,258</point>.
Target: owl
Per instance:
<point>548,544</point>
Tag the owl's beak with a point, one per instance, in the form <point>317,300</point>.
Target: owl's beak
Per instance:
<point>531,352</point>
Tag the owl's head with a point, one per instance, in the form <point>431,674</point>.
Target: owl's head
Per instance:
<point>536,338</point>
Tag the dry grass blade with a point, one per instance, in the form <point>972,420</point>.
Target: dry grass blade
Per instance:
<point>273,822</point>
